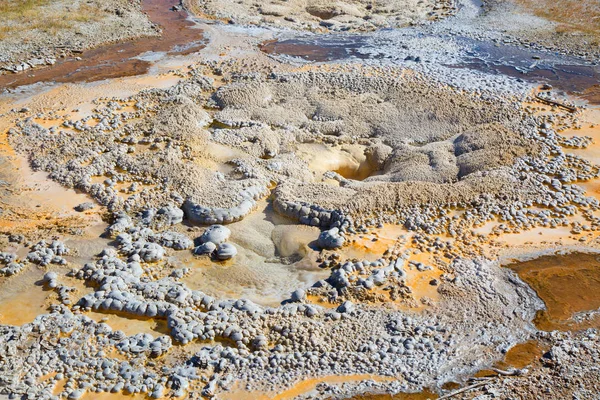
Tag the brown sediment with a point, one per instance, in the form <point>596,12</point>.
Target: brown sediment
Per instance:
<point>567,284</point>
<point>293,240</point>
<point>372,246</point>
<point>274,258</point>
<point>592,94</point>
<point>424,395</point>
<point>32,202</point>
<point>522,355</point>
<point>249,275</point>
<point>422,286</point>
<point>320,301</point>
<point>590,126</point>
<point>311,52</point>
<point>537,237</point>
<point>117,60</point>
<point>59,386</point>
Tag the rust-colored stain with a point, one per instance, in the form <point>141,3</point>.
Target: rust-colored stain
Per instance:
<point>523,355</point>
<point>424,395</point>
<point>116,60</point>
<point>567,284</point>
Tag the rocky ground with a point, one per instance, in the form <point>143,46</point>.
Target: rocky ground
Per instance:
<point>37,33</point>
<point>319,15</point>
<point>569,26</point>
<point>235,223</point>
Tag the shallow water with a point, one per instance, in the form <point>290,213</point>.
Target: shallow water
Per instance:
<point>570,74</point>
<point>522,355</point>
<point>567,284</point>
<point>566,73</point>
<point>320,49</point>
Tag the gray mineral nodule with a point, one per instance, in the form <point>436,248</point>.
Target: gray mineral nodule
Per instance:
<point>226,251</point>
<point>330,239</point>
<point>205,248</point>
<point>216,234</point>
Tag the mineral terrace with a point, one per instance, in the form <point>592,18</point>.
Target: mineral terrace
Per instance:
<point>299,199</point>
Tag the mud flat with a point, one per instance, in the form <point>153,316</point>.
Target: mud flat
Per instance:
<point>278,214</point>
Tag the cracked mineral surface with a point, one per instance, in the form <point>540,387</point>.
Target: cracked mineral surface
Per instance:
<point>299,199</point>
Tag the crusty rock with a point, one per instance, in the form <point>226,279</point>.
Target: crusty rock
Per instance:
<point>331,239</point>
<point>216,234</point>
<point>225,251</point>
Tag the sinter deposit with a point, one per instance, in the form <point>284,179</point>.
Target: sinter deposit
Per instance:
<point>323,200</point>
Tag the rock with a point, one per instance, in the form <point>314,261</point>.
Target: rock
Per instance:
<point>210,389</point>
<point>216,234</point>
<point>50,276</point>
<point>310,312</point>
<point>84,206</point>
<point>148,216</point>
<point>175,240</point>
<point>16,238</point>
<point>330,239</point>
<point>43,253</point>
<point>338,279</point>
<point>206,248</point>
<point>298,295</point>
<point>226,251</point>
<point>377,155</point>
<point>152,252</point>
<point>197,213</point>
<point>76,394</point>
<point>158,392</point>
<point>172,215</point>
<point>346,307</point>
<point>12,268</point>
